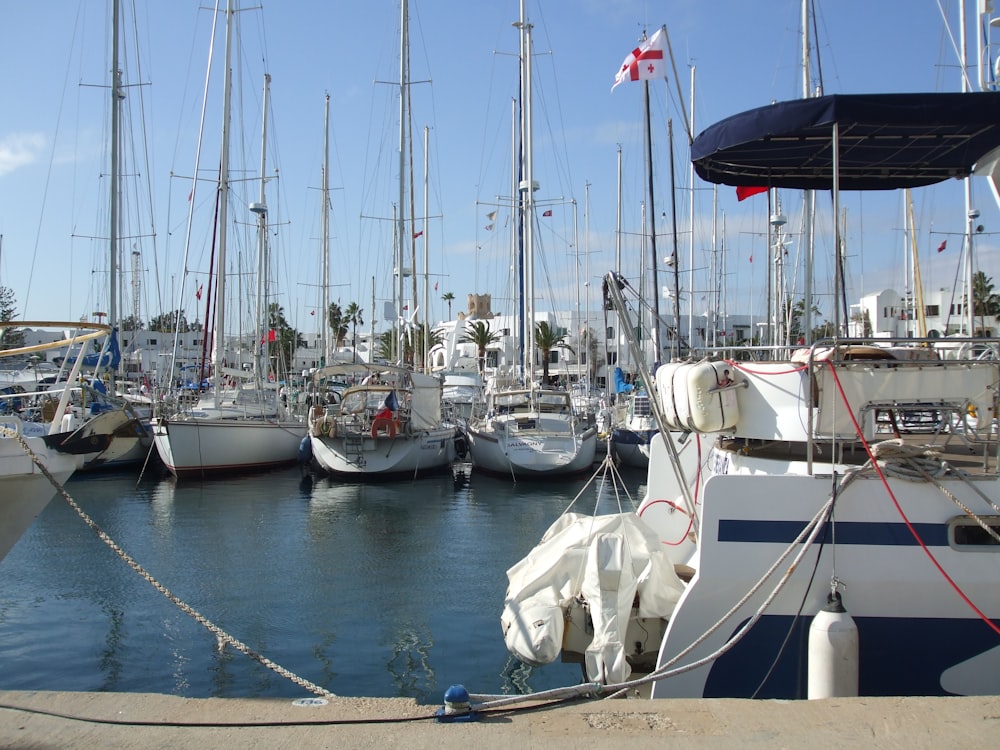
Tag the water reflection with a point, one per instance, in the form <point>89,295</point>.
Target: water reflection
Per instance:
<point>391,589</point>
<point>410,663</point>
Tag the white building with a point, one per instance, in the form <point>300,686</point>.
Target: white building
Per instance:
<point>886,314</point>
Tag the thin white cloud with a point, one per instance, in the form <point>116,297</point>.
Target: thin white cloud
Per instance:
<point>18,150</point>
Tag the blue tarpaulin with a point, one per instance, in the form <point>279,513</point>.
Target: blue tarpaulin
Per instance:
<point>620,385</point>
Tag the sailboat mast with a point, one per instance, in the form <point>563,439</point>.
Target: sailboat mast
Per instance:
<point>401,213</point>
<point>918,284</point>
<point>808,197</point>
<point>425,365</point>
<point>263,313</point>
<point>219,343</point>
<point>970,323</point>
<point>325,295</point>
<point>691,182</point>
<point>675,339</point>
<point>516,257</point>
<point>618,249</point>
<point>116,96</point>
<point>655,328</point>
<point>527,189</point>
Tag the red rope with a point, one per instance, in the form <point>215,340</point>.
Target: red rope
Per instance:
<point>744,368</point>
<point>902,515</point>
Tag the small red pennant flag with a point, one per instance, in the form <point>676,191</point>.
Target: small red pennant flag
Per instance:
<point>743,192</point>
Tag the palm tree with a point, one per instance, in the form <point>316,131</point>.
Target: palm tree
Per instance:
<point>479,333</point>
<point>984,301</point>
<point>337,322</point>
<point>282,340</point>
<point>353,315</point>
<point>386,344</point>
<point>413,346</point>
<point>448,297</point>
<point>547,339</point>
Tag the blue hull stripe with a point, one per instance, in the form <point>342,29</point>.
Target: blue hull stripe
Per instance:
<point>898,656</point>
<point>847,532</point>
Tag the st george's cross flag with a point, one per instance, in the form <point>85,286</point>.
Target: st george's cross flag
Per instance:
<point>645,61</point>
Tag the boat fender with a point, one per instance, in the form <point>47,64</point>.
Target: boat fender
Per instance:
<point>461,447</point>
<point>833,652</point>
<point>383,425</point>
<point>305,450</point>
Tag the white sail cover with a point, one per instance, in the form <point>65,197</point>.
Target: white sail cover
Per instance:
<point>604,560</point>
<point>425,406</point>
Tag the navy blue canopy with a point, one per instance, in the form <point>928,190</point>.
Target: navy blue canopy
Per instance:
<point>887,141</point>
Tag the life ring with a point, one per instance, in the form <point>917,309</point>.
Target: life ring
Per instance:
<point>327,427</point>
<point>383,424</point>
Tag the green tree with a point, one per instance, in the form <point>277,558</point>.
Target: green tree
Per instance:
<point>448,297</point>
<point>413,343</point>
<point>338,323</point>
<point>281,350</point>
<point>130,323</point>
<point>421,333</point>
<point>386,344</point>
<point>171,322</point>
<point>354,315</point>
<point>984,301</point>
<point>10,338</point>
<point>478,332</point>
<point>796,312</point>
<point>546,339</point>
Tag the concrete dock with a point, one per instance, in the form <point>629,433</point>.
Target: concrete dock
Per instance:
<point>34,720</point>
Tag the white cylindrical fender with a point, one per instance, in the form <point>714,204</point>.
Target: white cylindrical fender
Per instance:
<point>833,652</point>
<point>670,387</point>
<point>698,396</point>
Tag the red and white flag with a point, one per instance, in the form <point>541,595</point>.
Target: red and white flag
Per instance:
<point>646,61</point>
<point>942,246</point>
<point>198,293</point>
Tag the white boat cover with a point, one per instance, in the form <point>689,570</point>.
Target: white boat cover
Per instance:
<point>603,560</point>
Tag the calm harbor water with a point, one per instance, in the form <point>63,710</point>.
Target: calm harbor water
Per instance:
<point>378,590</point>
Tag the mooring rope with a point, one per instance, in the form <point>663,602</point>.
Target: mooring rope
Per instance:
<point>222,637</point>
<point>924,464</point>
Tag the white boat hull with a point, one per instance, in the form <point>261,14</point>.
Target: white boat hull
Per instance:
<point>890,586</point>
<point>500,451</point>
<point>358,455</point>
<point>24,489</point>
<point>208,447</point>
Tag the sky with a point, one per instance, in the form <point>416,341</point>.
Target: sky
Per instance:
<point>728,57</point>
